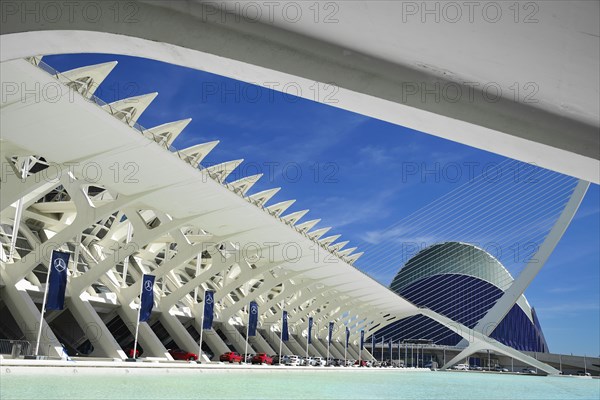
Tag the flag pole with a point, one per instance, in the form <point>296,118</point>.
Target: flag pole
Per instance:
<point>360,346</point>
<point>328,342</point>
<point>198,262</point>
<point>247,310</point>
<point>247,332</point>
<point>345,348</point>
<point>201,324</point>
<point>137,322</point>
<point>307,334</point>
<point>382,348</point>
<point>281,331</point>
<point>39,335</point>
<point>18,212</point>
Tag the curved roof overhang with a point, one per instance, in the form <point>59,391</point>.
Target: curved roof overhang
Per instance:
<point>367,72</point>
<point>75,131</point>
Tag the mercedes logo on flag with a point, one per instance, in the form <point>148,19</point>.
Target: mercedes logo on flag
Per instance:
<point>60,265</point>
<point>148,285</point>
<point>254,310</point>
<point>209,300</point>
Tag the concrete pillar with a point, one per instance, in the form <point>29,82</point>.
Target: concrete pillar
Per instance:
<point>90,322</point>
<point>334,351</point>
<point>21,305</point>
<point>320,346</point>
<point>273,340</point>
<point>295,346</point>
<point>235,337</point>
<point>213,340</point>
<point>180,335</point>
<point>152,346</point>
<point>261,345</point>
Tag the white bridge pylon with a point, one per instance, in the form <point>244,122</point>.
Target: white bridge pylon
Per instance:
<point>484,328</point>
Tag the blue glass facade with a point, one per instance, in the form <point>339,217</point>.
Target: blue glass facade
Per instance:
<point>464,299</point>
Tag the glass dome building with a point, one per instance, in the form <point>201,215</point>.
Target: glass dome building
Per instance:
<point>462,282</point>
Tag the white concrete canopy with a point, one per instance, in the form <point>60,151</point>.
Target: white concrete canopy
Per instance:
<point>408,65</point>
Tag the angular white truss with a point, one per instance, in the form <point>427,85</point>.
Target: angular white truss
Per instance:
<point>82,176</point>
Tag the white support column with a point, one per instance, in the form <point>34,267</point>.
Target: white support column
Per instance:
<point>126,260</point>
<point>88,319</point>
<point>21,306</point>
<point>15,188</point>
<point>18,212</point>
<point>338,348</point>
<point>295,346</point>
<point>260,344</point>
<point>86,216</point>
<point>179,334</point>
<point>497,313</point>
<point>480,341</point>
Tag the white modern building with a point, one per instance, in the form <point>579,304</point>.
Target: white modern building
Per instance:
<point>82,176</point>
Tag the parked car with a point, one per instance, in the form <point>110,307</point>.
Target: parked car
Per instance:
<point>461,367</point>
<point>248,357</point>
<point>310,361</point>
<point>362,363</point>
<point>583,373</point>
<point>528,371</point>
<point>129,353</point>
<point>318,361</point>
<point>475,368</point>
<point>500,368</point>
<point>231,357</point>
<point>293,360</point>
<point>283,361</point>
<point>262,358</point>
<point>179,354</point>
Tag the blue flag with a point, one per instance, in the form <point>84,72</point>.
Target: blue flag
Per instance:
<point>57,282</point>
<point>310,322</point>
<point>209,305</point>
<point>285,336</point>
<point>347,336</point>
<point>253,319</point>
<point>362,340</point>
<point>330,331</point>
<point>147,297</point>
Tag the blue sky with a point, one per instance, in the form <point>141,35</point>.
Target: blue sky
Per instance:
<point>353,172</point>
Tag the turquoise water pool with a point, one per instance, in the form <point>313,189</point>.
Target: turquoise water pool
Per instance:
<point>63,383</point>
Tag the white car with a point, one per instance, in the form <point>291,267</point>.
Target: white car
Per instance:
<point>318,361</point>
<point>461,367</point>
<point>305,361</point>
<point>293,361</point>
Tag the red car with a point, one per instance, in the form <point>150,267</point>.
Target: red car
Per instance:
<point>129,353</point>
<point>363,363</point>
<point>262,358</point>
<point>178,354</point>
<point>231,357</point>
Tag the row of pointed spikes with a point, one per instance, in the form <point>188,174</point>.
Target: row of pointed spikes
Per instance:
<point>86,81</point>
